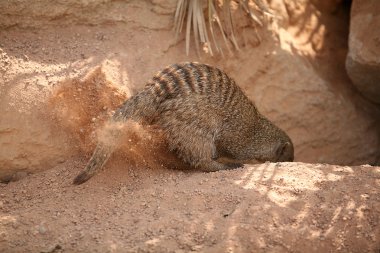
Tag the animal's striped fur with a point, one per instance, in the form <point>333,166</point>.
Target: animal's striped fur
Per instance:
<point>204,115</point>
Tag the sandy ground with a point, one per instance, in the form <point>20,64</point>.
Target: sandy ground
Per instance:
<point>283,207</point>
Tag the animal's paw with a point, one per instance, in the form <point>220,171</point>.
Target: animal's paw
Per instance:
<point>232,166</point>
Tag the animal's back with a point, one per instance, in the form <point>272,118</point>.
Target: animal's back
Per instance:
<point>201,106</point>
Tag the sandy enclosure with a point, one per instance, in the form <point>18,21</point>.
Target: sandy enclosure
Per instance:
<point>67,66</point>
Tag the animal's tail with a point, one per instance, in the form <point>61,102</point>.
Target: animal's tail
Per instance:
<point>98,159</point>
<point>141,107</point>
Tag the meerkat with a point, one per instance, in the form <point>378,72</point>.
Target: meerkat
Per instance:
<point>204,116</point>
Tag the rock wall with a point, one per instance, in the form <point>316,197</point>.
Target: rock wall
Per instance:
<point>42,13</point>
<point>295,75</point>
<point>363,59</point>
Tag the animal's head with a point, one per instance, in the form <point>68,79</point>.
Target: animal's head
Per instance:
<point>270,143</point>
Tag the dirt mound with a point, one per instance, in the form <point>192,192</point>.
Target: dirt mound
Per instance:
<point>284,207</point>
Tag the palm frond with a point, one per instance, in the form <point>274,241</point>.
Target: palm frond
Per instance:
<point>222,15</point>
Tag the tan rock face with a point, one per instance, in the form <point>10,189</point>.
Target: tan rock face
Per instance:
<point>363,59</point>
<point>52,102</point>
<point>43,13</point>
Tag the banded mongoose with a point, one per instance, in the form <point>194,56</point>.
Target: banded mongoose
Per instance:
<point>204,116</point>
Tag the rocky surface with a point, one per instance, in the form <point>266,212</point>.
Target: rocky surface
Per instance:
<point>363,59</point>
<point>43,13</point>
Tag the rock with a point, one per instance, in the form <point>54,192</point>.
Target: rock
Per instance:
<point>42,229</point>
<point>24,14</point>
<point>363,59</point>
<point>327,5</point>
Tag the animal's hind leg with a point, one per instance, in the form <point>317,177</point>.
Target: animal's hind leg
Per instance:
<point>209,166</point>
<point>197,150</point>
